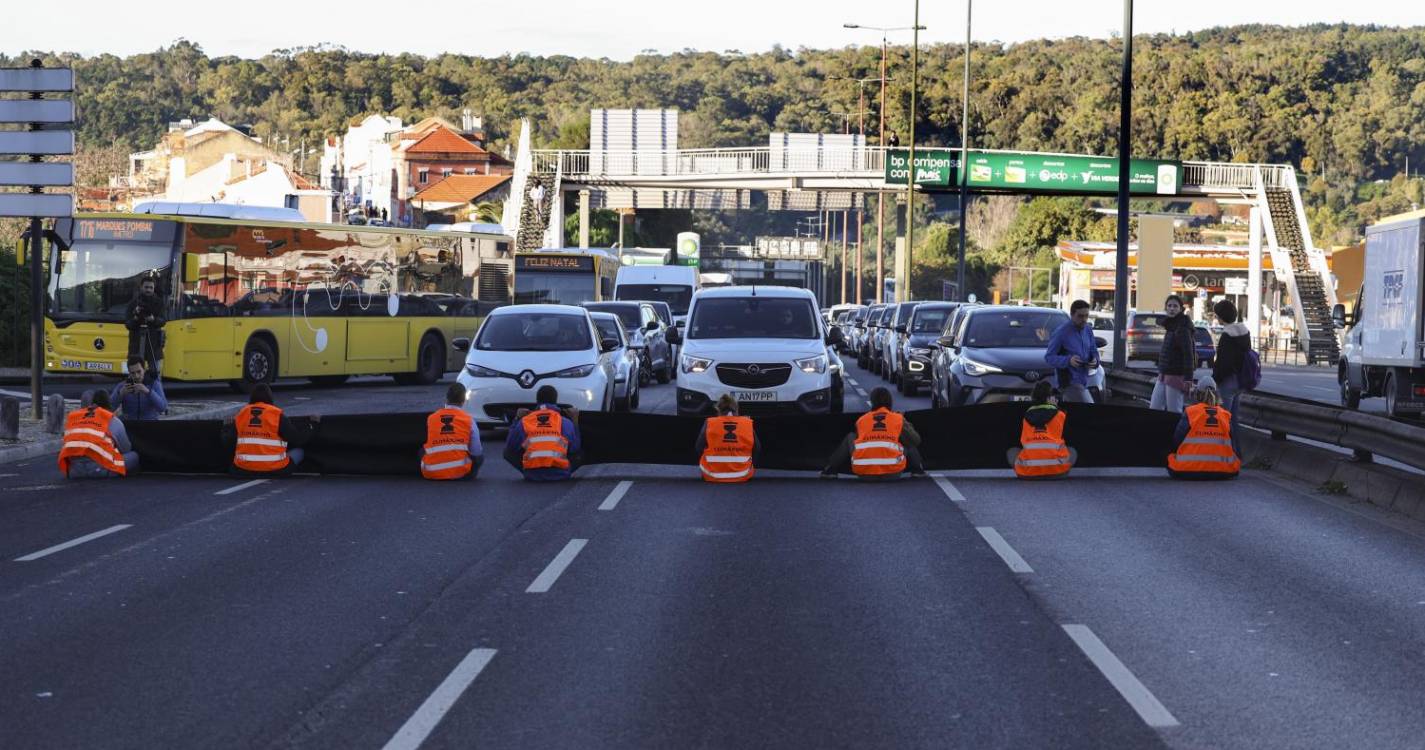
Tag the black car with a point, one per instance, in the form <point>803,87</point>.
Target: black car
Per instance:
<point>999,355</point>
<point>922,330</point>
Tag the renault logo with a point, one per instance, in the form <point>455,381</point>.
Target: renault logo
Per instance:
<point>98,345</point>
<point>526,378</point>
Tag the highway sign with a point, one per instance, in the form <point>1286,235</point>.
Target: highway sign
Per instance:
<point>44,205</point>
<point>1070,174</point>
<point>934,167</point>
<point>36,111</point>
<point>37,142</point>
<point>36,174</point>
<point>36,79</point>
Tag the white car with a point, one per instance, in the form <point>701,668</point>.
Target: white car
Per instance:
<point>522,347</point>
<point>765,345</point>
<point>626,361</point>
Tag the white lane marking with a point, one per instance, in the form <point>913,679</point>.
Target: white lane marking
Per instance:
<point>73,543</point>
<point>860,391</point>
<point>1005,552</point>
<point>556,567</point>
<point>1153,713</point>
<point>240,487</point>
<point>611,501</point>
<point>424,720</point>
<point>7,476</point>
<point>949,489</point>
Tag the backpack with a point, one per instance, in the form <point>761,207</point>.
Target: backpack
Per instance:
<point>1250,376</point>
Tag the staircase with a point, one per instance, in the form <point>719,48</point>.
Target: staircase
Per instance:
<point>535,219</point>
<point>1302,267</point>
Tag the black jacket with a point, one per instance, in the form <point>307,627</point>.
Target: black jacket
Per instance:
<point>1040,417</point>
<point>1232,350</point>
<point>1179,353</point>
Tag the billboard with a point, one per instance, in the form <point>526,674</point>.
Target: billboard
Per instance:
<point>1056,173</point>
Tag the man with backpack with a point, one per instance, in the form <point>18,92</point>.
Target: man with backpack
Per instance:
<point>1237,368</point>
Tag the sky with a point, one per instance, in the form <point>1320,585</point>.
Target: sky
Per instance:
<point>621,29</point>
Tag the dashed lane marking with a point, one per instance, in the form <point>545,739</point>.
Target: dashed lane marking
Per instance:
<point>1005,552</point>
<point>950,490</point>
<point>47,551</point>
<point>556,567</point>
<point>240,487</point>
<point>424,720</point>
<point>619,491</point>
<point>1153,713</point>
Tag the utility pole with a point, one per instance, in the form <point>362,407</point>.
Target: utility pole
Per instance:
<point>880,197</point>
<point>904,294</point>
<point>964,160</point>
<point>1125,125</point>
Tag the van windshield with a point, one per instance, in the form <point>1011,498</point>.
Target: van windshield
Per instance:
<point>678,296</point>
<point>753,318</point>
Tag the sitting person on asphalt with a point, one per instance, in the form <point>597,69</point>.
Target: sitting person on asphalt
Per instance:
<point>1072,352</point>
<point>452,449</point>
<point>1202,444</point>
<point>260,435</point>
<point>140,396</point>
<point>883,447</point>
<point>96,445</point>
<point>727,446</point>
<point>544,443</point>
<point>1042,453</point>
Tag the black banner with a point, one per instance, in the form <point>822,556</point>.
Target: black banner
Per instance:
<point>974,437</point>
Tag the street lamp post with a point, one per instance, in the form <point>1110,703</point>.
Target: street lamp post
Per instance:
<point>964,160</point>
<point>861,112</point>
<point>1125,125</point>
<point>880,203</point>
<point>904,294</point>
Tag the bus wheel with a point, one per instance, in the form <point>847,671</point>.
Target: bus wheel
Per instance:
<point>259,364</point>
<point>430,363</point>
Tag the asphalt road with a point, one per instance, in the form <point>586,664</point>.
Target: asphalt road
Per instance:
<point>639,607</point>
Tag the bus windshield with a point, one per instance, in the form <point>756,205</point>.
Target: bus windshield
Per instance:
<point>678,296</point>
<point>554,288</point>
<point>96,279</point>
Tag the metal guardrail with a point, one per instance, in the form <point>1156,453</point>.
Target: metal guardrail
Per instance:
<point>1364,434</point>
<point>1226,176</point>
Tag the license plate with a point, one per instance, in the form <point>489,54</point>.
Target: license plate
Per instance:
<point>755,395</point>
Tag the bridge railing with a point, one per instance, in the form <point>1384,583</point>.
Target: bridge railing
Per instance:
<point>693,162</point>
<point>1227,176</point>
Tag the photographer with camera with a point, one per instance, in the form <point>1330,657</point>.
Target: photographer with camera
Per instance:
<point>139,396</point>
<point>144,319</point>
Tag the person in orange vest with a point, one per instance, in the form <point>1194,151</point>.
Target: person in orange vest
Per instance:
<point>96,445</point>
<point>265,442</point>
<point>452,449</point>
<point>884,445</point>
<point>727,445</point>
<point>544,441</point>
<point>1042,453</point>
<point>1202,444</point>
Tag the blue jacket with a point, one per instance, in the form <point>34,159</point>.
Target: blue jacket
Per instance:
<point>514,450</point>
<point>140,406</point>
<point>1069,341</point>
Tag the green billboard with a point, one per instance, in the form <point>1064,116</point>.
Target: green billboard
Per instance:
<point>1070,174</point>
<point>934,167</point>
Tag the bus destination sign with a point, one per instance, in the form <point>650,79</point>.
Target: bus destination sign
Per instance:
<point>129,230</point>
<point>554,263</point>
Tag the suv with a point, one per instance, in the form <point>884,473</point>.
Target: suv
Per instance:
<point>1000,356</point>
<point>895,338</point>
<point>765,345</point>
<point>1144,336</point>
<point>926,325</point>
<point>646,335</point>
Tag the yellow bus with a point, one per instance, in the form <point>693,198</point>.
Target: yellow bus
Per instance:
<point>251,300</point>
<point>565,277</point>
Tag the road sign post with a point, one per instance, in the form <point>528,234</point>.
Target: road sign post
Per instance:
<point>47,132</point>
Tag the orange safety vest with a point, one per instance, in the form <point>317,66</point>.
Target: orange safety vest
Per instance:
<point>446,454</point>
<point>728,455</point>
<point>260,446</point>
<point>878,450</point>
<point>544,443</point>
<point>1207,449</point>
<point>1042,452</point>
<point>86,435</point>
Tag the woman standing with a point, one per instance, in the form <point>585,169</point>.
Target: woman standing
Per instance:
<point>1177,360</point>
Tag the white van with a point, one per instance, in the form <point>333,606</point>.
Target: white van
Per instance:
<point>672,284</point>
<point>766,345</point>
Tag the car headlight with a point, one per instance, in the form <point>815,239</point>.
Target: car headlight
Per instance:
<point>975,369</point>
<point>695,364</point>
<point>476,371</point>
<point>815,364</point>
<point>582,371</point>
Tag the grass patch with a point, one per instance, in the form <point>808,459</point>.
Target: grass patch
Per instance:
<point>1332,487</point>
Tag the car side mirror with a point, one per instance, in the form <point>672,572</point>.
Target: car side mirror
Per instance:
<point>609,345</point>
<point>1338,315</point>
<point>461,344</point>
<point>1100,341</point>
<point>834,336</point>
<point>946,341</point>
<point>675,336</point>
<point>652,326</point>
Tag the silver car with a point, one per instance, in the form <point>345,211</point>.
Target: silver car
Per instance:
<point>626,361</point>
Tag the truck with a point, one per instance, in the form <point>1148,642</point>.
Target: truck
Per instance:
<point>1384,352</point>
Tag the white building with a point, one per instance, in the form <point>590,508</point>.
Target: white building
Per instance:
<point>359,165</point>
<point>254,183</point>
